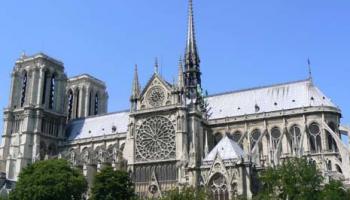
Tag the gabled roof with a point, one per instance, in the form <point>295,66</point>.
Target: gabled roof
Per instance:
<point>156,76</point>
<point>90,127</point>
<point>284,96</point>
<point>227,150</point>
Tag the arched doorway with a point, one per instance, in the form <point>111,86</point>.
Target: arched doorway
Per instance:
<point>218,187</point>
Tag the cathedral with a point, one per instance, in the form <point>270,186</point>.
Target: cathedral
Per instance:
<point>173,134</point>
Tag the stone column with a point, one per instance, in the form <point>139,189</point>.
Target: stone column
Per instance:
<point>105,107</point>
<point>74,104</point>
<point>34,86</point>
<point>92,107</point>
<point>30,87</point>
<point>40,86</point>
<point>81,101</point>
<point>12,88</point>
<point>89,171</point>
<point>87,101</point>
<point>323,135</point>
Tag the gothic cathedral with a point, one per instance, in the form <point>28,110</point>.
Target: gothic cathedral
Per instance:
<point>173,134</point>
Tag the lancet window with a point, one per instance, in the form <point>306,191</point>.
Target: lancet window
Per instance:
<point>52,91</point>
<point>96,104</point>
<point>315,138</point>
<point>295,138</point>
<point>70,104</point>
<point>218,187</point>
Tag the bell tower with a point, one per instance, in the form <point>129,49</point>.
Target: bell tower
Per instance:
<point>35,117</point>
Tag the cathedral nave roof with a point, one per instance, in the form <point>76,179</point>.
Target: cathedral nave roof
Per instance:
<point>285,96</point>
<point>90,127</point>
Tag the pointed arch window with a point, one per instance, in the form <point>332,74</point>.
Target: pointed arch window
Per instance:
<point>258,156</point>
<point>332,145</point>
<point>217,138</point>
<point>276,136</point>
<point>97,102</point>
<point>52,91</point>
<point>315,138</point>
<point>70,104</point>
<point>219,187</point>
<point>254,138</point>
<point>236,136</point>
<point>295,139</point>
<point>24,88</point>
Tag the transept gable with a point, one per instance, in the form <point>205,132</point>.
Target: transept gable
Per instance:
<point>217,166</point>
<point>156,93</point>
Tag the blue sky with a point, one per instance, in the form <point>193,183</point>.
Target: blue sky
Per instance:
<point>242,44</point>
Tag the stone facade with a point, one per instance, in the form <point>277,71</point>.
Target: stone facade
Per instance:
<point>172,135</point>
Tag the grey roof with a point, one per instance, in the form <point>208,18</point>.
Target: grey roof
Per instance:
<point>227,150</point>
<point>285,96</point>
<point>98,126</point>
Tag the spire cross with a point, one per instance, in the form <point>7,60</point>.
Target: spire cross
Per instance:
<point>156,66</point>
<point>309,67</point>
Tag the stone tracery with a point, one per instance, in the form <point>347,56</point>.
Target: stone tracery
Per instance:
<point>155,140</point>
<point>156,96</point>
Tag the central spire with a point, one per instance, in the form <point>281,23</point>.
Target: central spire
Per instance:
<point>192,69</point>
<point>191,46</point>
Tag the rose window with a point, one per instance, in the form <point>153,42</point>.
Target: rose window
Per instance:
<point>155,140</point>
<point>156,96</point>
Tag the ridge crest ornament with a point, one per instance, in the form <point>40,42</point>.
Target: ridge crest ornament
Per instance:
<point>156,96</point>
<point>155,140</point>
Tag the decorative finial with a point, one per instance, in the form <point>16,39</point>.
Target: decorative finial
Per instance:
<point>23,54</point>
<point>156,66</point>
<point>136,88</point>
<point>181,81</point>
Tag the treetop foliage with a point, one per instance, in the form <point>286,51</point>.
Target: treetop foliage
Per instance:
<point>112,185</point>
<point>49,180</point>
<point>297,179</point>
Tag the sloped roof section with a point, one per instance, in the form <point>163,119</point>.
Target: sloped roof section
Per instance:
<point>285,96</point>
<point>227,150</point>
<point>90,127</point>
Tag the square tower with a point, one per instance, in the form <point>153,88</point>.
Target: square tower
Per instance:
<point>35,117</point>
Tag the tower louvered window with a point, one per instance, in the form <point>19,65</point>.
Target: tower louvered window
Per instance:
<point>52,92</point>
<point>77,104</point>
<point>70,104</point>
<point>24,88</point>
<point>96,104</point>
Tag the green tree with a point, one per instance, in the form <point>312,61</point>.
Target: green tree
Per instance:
<point>187,193</point>
<point>49,180</point>
<point>295,179</point>
<point>334,190</point>
<point>112,185</point>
